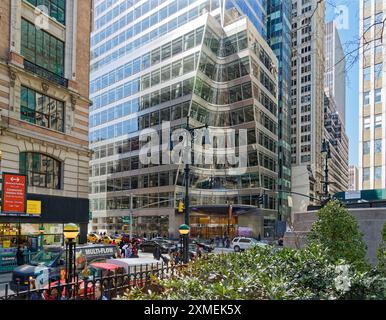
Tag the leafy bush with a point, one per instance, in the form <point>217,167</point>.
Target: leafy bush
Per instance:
<point>268,273</point>
<point>338,232</point>
<point>332,266</point>
<point>382,253</point>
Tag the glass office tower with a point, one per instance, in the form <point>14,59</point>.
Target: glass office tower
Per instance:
<point>154,64</point>
<point>279,38</point>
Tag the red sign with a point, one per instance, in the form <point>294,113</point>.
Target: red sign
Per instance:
<point>14,193</point>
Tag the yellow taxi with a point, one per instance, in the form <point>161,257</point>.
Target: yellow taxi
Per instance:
<point>109,240</point>
<point>93,238</point>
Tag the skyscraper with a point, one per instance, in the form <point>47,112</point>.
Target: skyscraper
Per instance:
<point>353,178</point>
<point>372,105</point>
<point>279,38</point>
<point>335,135</point>
<point>335,77</point>
<point>335,110</point>
<point>307,104</point>
<point>164,61</point>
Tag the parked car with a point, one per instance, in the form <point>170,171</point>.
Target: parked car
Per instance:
<point>93,237</point>
<point>241,243</point>
<point>207,247</point>
<point>160,239</point>
<point>150,245</point>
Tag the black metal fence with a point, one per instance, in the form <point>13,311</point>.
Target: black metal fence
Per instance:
<point>102,288</point>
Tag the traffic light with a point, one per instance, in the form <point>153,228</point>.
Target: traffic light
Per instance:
<point>181,206</point>
<point>262,199</point>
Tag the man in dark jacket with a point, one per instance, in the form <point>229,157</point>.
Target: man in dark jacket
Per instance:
<point>19,256</point>
<point>157,252</point>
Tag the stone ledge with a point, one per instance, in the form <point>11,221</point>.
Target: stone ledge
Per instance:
<point>16,59</point>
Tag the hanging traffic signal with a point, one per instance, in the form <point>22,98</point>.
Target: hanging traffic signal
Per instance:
<point>262,199</point>
<point>181,206</point>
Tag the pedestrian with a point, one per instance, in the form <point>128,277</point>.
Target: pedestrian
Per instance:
<point>99,294</point>
<point>19,256</point>
<point>34,294</point>
<point>134,250</point>
<point>223,241</point>
<point>177,258</point>
<point>127,251</point>
<point>157,253</point>
<point>198,251</point>
<point>228,242</point>
<point>217,239</point>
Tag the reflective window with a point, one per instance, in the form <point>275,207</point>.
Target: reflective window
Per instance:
<point>366,147</point>
<point>42,49</point>
<point>378,146</point>
<point>41,110</point>
<point>378,95</point>
<point>41,170</point>
<point>366,98</point>
<point>377,173</point>
<point>54,8</point>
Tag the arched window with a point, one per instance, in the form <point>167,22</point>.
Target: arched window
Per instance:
<point>42,171</point>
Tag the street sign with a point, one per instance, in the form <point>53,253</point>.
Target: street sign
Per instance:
<point>34,207</point>
<point>126,219</point>
<point>14,193</point>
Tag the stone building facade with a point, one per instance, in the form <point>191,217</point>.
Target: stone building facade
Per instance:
<point>44,89</point>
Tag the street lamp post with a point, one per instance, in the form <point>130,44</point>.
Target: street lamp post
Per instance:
<point>326,183</point>
<point>41,236</point>
<point>187,182</point>
<point>70,232</point>
<point>184,232</point>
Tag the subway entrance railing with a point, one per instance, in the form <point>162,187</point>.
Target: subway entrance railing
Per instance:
<point>102,288</point>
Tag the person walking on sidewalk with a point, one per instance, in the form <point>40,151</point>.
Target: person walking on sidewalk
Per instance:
<point>19,256</point>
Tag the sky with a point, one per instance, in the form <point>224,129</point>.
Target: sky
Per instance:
<point>349,33</point>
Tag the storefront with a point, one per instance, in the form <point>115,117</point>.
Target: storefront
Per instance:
<point>12,234</point>
<point>210,221</point>
<point>142,225</point>
<point>55,212</point>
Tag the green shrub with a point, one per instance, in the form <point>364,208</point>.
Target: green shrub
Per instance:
<point>338,232</point>
<point>268,274</point>
<point>382,253</point>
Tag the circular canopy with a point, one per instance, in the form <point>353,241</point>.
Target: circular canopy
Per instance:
<point>70,231</point>
<point>184,229</point>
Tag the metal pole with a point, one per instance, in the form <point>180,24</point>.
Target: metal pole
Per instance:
<point>187,211</point>
<point>131,215</point>
<point>69,260</point>
<point>74,258</point>
<point>41,242</point>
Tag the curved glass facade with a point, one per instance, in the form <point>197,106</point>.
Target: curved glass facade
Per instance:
<point>223,78</point>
